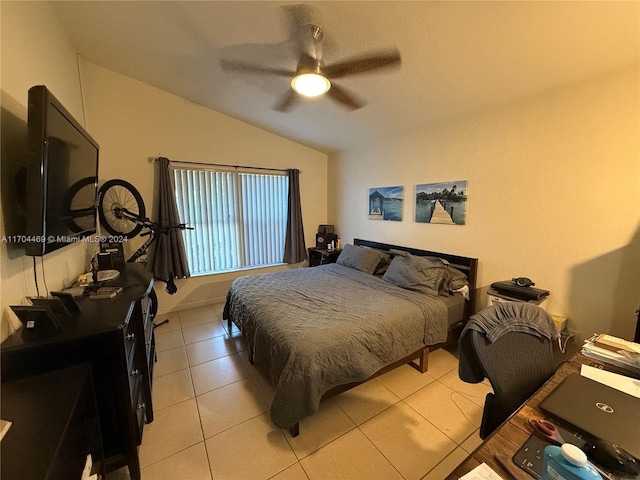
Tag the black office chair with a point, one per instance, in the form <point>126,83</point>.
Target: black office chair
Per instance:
<point>516,364</point>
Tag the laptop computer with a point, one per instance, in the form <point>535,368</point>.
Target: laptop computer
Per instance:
<point>596,409</point>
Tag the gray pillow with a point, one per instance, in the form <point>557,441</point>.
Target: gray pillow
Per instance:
<point>415,273</point>
<point>452,279</point>
<point>359,258</point>
<point>383,264</point>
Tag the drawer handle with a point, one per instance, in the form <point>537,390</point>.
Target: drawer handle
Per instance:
<point>130,336</point>
<point>141,405</point>
<point>135,372</point>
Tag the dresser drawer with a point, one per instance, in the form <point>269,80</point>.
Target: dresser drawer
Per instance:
<point>129,342</point>
<point>140,412</point>
<point>135,377</point>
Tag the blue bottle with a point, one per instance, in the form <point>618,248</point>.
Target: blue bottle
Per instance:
<point>567,463</point>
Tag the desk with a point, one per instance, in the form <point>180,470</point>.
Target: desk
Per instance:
<point>55,426</point>
<point>515,431</point>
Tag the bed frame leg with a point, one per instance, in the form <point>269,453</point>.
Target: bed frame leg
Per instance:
<point>295,430</point>
<point>424,360</point>
<point>423,365</point>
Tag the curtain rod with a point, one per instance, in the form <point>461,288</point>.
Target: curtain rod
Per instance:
<point>225,165</point>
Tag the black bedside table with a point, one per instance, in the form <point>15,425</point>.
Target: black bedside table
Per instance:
<point>322,256</point>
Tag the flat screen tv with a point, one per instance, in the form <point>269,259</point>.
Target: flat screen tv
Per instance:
<point>62,176</point>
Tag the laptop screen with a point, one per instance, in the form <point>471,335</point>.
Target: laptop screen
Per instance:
<point>601,411</point>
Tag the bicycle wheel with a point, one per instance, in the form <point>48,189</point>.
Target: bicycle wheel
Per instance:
<point>79,203</point>
<point>120,194</point>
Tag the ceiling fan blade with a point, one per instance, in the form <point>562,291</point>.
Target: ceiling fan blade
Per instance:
<point>237,66</point>
<point>385,59</point>
<point>344,98</point>
<point>286,101</point>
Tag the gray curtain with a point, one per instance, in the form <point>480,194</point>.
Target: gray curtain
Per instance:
<point>170,259</point>
<point>295,250</point>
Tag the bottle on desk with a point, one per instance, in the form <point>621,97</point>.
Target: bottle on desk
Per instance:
<point>567,463</point>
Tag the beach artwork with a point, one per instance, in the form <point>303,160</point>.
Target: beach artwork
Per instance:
<point>443,203</point>
<point>385,203</point>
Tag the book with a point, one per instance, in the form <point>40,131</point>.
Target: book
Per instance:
<point>616,344</point>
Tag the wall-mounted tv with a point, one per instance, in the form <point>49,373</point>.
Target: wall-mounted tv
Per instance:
<point>62,176</point>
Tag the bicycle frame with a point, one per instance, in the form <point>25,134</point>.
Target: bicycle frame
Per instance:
<point>154,228</point>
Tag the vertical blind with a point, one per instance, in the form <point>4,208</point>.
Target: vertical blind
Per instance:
<point>239,218</point>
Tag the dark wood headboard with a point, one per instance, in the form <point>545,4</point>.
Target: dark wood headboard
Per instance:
<point>467,265</point>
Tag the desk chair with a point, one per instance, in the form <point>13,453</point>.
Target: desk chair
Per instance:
<point>516,364</point>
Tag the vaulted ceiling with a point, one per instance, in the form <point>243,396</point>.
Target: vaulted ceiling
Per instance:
<point>457,56</point>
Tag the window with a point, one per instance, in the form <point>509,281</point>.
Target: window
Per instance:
<point>239,218</point>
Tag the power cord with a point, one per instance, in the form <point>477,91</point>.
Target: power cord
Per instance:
<point>563,340</point>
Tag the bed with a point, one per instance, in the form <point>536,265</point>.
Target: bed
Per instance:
<point>319,331</point>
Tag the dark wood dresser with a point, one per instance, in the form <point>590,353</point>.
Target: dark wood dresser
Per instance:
<point>116,337</point>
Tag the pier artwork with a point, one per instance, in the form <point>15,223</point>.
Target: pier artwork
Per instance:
<point>442,203</point>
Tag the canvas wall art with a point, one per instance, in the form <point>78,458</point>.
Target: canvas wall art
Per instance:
<point>385,203</point>
<point>443,203</point>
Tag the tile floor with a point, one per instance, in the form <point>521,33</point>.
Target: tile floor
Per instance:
<point>212,417</point>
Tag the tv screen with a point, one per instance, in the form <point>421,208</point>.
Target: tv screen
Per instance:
<point>62,176</point>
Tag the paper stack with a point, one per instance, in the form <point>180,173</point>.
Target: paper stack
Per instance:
<point>613,350</point>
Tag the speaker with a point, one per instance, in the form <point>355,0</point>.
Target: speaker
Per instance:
<point>325,229</point>
<point>324,239</point>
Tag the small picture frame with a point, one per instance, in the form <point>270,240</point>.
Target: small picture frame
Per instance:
<point>54,303</point>
<point>67,299</point>
<point>37,319</point>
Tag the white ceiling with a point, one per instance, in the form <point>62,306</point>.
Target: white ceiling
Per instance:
<point>457,57</point>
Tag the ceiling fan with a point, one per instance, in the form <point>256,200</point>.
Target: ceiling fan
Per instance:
<point>311,77</point>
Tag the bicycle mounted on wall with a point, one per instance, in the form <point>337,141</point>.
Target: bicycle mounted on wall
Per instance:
<point>122,213</point>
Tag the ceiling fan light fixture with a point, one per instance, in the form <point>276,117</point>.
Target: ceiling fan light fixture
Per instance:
<point>311,84</point>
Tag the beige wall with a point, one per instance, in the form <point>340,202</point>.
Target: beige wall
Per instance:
<point>553,188</point>
<point>134,122</point>
<point>35,51</point>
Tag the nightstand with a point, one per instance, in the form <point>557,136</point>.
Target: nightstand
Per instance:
<point>322,256</point>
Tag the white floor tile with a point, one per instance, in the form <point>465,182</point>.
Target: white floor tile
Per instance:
<point>172,430</point>
<point>188,464</point>
<point>366,400</point>
<point>217,373</point>
<point>353,457</point>
<point>168,340</point>
<point>228,406</point>
<point>255,449</point>
<point>319,429</point>
<point>411,443</point>
<point>405,380</point>
<point>447,410</point>
<point>203,331</point>
<point>210,349</point>
<point>294,472</point>
<point>197,316</point>
<point>171,389</point>
<point>170,361</point>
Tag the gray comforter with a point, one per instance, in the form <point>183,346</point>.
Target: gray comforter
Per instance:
<point>316,328</point>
